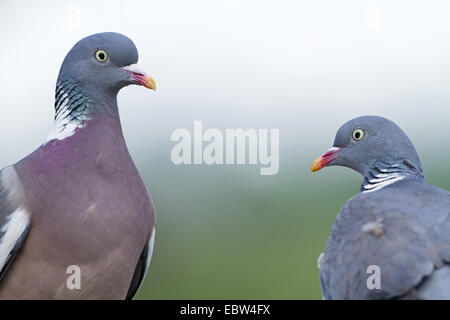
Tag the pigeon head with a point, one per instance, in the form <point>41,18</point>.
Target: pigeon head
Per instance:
<point>102,64</point>
<point>91,76</point>
<point>371,142</point>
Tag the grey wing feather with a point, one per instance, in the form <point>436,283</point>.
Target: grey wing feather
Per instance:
<point>14,252</point>
<point>436,286</point>
<point>404,233</point>
<point>138,275</point>
<point>15,221</point>
<point>142,267</point>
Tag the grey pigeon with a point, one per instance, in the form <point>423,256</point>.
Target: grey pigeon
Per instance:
<point>392,240</point>
<point>76,220</point>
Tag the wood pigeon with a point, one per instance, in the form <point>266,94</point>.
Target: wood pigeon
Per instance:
<point>76,220</point>
<point>392,240</point>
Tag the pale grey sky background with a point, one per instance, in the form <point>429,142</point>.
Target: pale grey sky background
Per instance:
<point>302,66</point>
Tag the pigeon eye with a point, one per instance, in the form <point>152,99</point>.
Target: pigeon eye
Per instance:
<point>358,134</point>
<point>101,55</point>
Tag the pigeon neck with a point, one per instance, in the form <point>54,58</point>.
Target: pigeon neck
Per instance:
<point>73,107</point>
<point>383,174</point>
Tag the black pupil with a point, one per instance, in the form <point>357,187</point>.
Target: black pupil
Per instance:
<point>101,55</point>
<point>357,134</point>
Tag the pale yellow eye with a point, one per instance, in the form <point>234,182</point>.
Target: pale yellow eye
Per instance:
<point>358,134</point>
<point>101,55</point>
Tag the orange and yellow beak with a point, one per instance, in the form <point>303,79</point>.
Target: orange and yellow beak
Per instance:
<point>149,82</point>
<point>141,79</point>
<point>326,159</point>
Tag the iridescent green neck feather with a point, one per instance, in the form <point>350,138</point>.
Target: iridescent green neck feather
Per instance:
<point>72,108</point>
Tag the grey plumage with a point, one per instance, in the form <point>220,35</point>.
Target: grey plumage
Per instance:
<point>401,225</point>
<point>11,194</point>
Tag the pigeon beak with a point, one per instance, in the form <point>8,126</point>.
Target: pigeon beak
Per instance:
<point>140,78</point>
<point>326,159</point>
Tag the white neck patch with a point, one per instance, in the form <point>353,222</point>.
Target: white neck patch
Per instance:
<point>67,120</point>
<point>382,180</point>
<point>65,128</point>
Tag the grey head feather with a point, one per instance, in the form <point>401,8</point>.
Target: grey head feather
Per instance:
<point>99,81</point>
<point>87,84</point>
<point>375,147</point>
<point>383,145</point>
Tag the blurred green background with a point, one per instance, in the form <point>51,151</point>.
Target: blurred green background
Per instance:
<point>231,234</point>
<point>303,67</point>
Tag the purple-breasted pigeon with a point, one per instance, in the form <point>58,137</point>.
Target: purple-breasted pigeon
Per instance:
<point>392,240</point>
<point>76,220</point>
